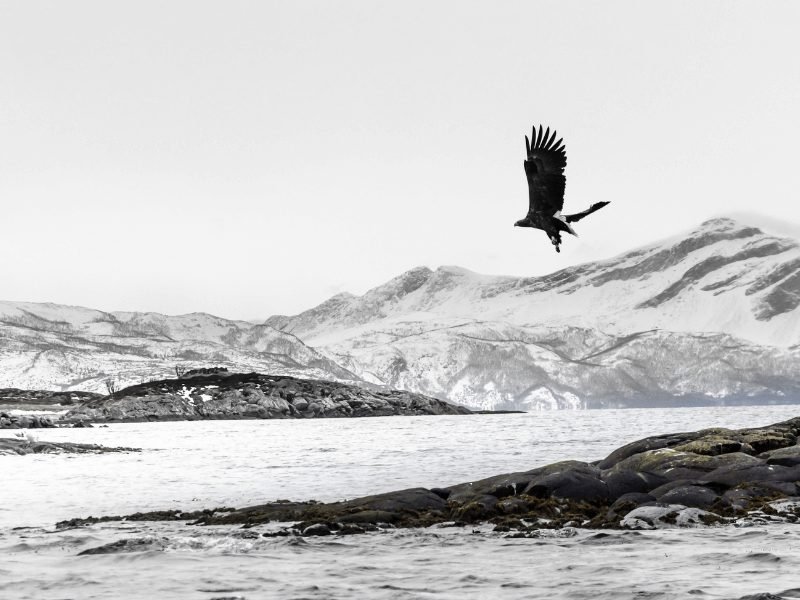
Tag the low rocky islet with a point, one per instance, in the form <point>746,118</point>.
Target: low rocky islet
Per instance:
<point>222,395</point>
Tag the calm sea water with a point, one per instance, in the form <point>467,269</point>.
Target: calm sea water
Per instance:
<point>192,465</point>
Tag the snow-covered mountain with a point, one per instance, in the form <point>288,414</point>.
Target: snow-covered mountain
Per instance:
<point>710,316</point>
<point>51,346</point>
<point>704,317</point>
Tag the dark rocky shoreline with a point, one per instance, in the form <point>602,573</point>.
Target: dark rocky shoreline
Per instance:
<point>712,476</point>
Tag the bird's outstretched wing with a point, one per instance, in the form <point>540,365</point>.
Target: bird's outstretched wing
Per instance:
<point>578,216</point>
<point>544,168</point>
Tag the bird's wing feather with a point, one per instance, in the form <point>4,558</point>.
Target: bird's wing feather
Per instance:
<point>544,169</point>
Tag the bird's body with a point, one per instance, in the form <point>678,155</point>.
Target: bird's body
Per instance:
<point>544,168</point>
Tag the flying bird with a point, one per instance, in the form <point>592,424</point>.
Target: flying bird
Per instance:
<point>544,168</point>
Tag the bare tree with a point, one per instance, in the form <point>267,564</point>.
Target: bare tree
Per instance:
<point>111,385</point>
<point>179,371</point>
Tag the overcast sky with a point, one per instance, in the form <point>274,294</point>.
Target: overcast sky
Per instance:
<point>253,158</point>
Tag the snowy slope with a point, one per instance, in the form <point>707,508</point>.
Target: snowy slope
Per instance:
<point>722,277</point>
<point>49,346</point>
<point>712,314</point>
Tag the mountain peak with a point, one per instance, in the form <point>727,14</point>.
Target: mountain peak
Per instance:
<point>403,284</point>
<point>726,224</point>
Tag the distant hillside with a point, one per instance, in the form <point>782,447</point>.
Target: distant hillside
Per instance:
<point>50,346</point>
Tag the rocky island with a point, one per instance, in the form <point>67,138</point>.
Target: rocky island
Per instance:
<point>219,394</point>
<point>706,477</point>
<point>31,409</point>
<point>30,445</point>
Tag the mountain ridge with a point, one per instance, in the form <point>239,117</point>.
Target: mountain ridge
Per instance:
<point>633,267</point>
<point>707,316</point>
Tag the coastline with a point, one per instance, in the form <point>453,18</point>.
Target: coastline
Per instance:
<point>707,477</point>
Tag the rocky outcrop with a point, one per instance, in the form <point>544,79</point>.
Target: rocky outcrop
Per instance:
<point>678,480</point>
<point>10,421</point>
<point>683,479</point>
<point>14,396</point>
<point>22,446</point>
<point>224,395</point>
<point>26,409</point>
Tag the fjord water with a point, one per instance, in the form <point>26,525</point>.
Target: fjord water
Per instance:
<point>194,465</point>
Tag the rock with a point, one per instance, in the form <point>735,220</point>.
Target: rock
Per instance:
<point>626,503</point>
<point>635,498</point>
<point>515,505</point>
<point>127,545</point>
<point>370,516</point>
<point>769,438</point>
<point>673,464</point>
<point>24,421</point>
<point>621,482</point>
<point>641,446</point>
<point>659,516</point>
<point>697,496</point>
<point>350,529</point>
<point>412,506</point>
<point>714,444</point>
<point>737,474</point>
<point>747,495</point>
<point>509,484</point>
<point>24,446</point>
<point>479,509</point>
<point>203,371</point>
<point>158,515</point>
<point>786,457</point>
<point>572,485</point>
<point>443,493</point>
<point>318,529</point>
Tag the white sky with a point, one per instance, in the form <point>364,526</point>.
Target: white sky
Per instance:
<point>252,158</point>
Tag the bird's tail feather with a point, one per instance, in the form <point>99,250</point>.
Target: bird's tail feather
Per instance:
<point>578,216</point>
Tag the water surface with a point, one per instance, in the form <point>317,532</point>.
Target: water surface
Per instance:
<point>192,465</point>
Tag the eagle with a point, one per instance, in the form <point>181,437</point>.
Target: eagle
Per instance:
<point>545,160</point>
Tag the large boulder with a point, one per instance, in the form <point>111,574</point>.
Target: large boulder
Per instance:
<point>620,482</point>
<point>694,495</point>
<point>788,456</point>
<point>581,486</point>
